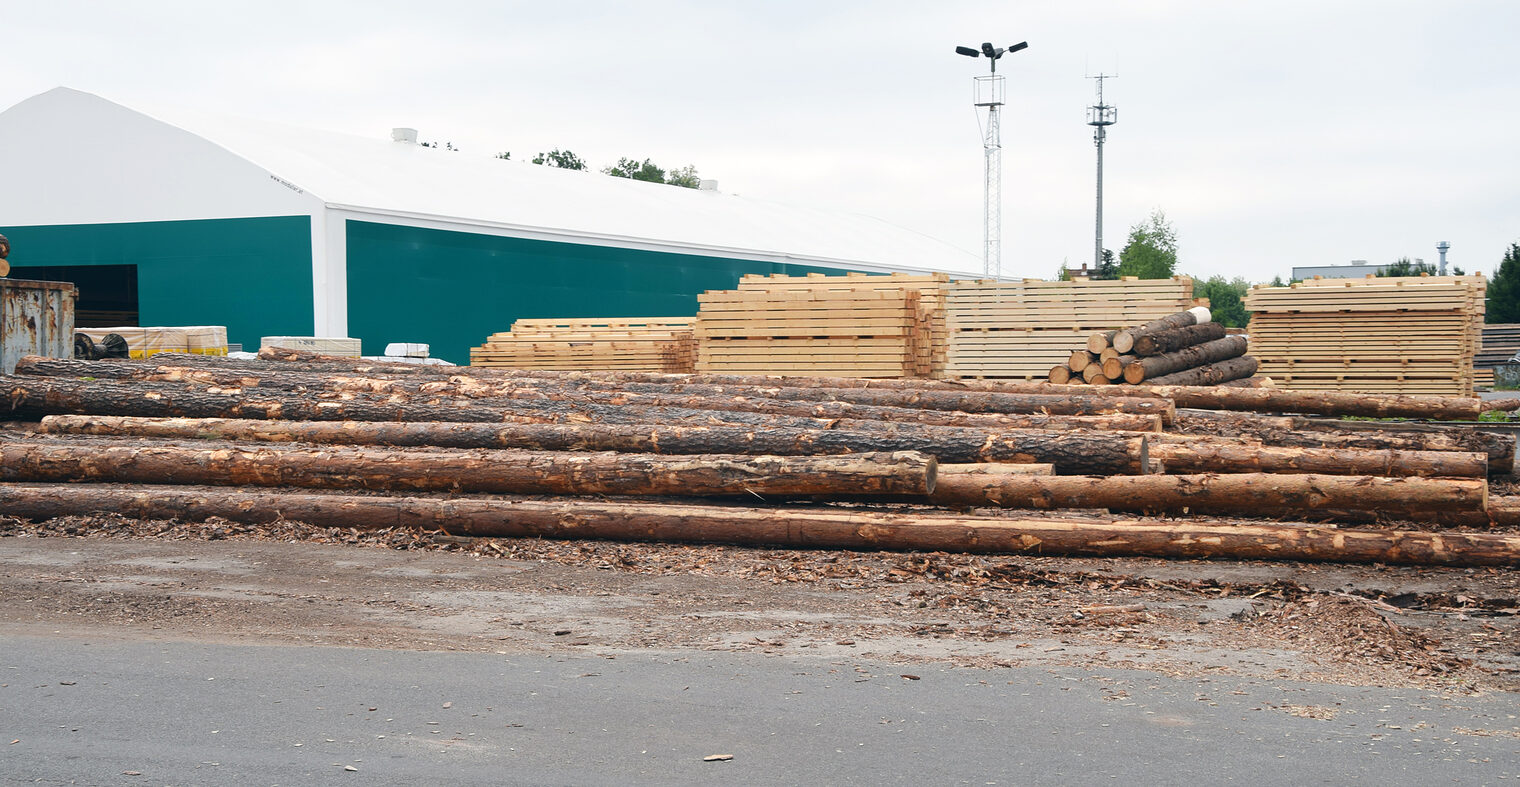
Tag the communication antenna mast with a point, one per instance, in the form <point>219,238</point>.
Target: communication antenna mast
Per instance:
<point>1100,116</point>
<point>988,92</point>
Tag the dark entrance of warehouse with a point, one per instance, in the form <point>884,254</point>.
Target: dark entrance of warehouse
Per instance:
<point>107,293</point>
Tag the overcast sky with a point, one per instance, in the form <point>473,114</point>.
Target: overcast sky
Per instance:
<point>1270,133</point>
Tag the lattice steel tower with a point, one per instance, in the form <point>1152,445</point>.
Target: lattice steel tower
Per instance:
<point>1100,116</point>
<point>989,93</point>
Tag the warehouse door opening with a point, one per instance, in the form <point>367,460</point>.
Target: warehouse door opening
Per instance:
<point>107,293</point>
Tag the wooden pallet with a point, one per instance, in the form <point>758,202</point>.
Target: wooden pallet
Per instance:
<point>1416,334</point>
<point>841,331</point>
<point>657,344</point>
<point>1019,330</point>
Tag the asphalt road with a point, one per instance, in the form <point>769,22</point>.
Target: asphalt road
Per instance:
<point>143,712</point>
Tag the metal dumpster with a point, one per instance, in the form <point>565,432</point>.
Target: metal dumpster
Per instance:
<point>36,318</point>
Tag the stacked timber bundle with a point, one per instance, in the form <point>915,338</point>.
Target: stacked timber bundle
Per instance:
<point>854,332</point>
<point>1500,344</point>
<point>1186,348</point>
<point>761,460</point>
<point>1019,330</point>
<point>1414,335</point>
<point>933,337</point>
<point>651,344</point>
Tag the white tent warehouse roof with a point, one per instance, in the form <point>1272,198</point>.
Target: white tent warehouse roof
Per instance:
<point>72,159</point>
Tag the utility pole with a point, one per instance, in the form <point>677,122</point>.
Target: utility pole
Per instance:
<point>1100,116</point>
<point>989,93</point>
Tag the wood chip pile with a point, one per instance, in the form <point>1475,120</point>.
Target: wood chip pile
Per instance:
<point>988,466</point>
<point>1408,335</point>
<point>647,344</point>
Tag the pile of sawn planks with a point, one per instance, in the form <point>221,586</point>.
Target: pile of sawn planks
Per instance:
<point>999,467</point>
<point>1186,348</point>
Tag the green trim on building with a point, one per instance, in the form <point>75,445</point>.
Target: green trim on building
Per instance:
<point>453,289</point>
<point>251,275</point>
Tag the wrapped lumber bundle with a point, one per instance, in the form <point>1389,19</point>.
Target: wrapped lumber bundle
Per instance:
<point>1403,335</point>
<point>641,344</point>
<point>929,357</point>
<point>1020,330</point>
<point>839,332</point>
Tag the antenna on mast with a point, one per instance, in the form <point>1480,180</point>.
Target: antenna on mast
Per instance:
<point>1100,116</point>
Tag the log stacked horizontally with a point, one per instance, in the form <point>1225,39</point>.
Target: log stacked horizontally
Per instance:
<point>757,459</point>
<point>1184,348</point>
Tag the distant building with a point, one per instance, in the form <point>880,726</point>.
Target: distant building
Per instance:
<point>1356,270</point>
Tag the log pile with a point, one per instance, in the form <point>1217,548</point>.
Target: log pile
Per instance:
<point>827,462</point>
<point>1019,330</point>
<point>1416,334</point>
<point>654,344</point>
<point>1185,348</point>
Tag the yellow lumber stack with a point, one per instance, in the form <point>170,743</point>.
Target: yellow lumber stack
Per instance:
<point>822,332</point>
<point>643,344</point>
<point>1406,335</point>
<point>1021,329</point>
<point>930,360</point>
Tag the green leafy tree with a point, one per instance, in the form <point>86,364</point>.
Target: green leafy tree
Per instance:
<point>1226,300</point>
<point>1151,252</point>
<point>1108,268</point>
<point>685,177</point>
<point>505,156</point>
<point>1504,289</point>
<point>1404,266</point>
<point>637,170</point>
<point>1277,282</point>
<point>562,159</point>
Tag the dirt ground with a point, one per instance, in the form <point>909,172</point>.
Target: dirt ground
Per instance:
<point>1452,629</point>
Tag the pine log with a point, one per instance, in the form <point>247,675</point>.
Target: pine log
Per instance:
<point>1098,342</point>
<point>806,528</point>
<point>1324,433</point>
<point>1124,341</point>
<point>1059,374</point>
<point>1211,373</point>
<point>1141,369</point>
<point>1071,452</point>
<point>1226,456</point>
<point>1174,339</point>
<point>1334,403</point>
<point>986,469</point>
<point>1500,405</point>
<point>1090,371</point>
<point>1114,368</point>
<point>1108,352</point>
<point>780,400</point>
<point>1079,360</point>
<point>33,397</point>
<point>1344,498</point>
<point>513,472</point>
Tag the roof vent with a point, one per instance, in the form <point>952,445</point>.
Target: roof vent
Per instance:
<point>407,135</point>
<point>707,185</point>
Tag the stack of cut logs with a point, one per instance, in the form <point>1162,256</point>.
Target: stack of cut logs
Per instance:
<point>1186,348</point>
<point>988,466</point>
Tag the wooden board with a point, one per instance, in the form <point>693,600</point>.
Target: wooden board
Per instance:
<point>651,344</point>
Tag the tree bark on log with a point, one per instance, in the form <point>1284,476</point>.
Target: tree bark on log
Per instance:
<point>988,469</point>
<point>1220,456</point>
<point>803,528</point>
<point>1071,452</point>
<point>1332,403</point>
<point>774,399</point>
<point>1347,498</point>
<point>1174,339</point>
<point>1321,433</point>
<point>1212,373</point>
<point>1140,369</point>
<point>1124,341</point>
<point>33,397</point>
<point>512,472</point>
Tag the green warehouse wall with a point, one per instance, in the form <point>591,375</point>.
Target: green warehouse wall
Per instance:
<point>453,289</point>
<point>251,275</point>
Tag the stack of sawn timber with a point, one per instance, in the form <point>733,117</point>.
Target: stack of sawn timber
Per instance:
<point>534,453</point>
<point>1186,348</point>
<point>1019,330</point>
<point>1501,343</point>
<point>848,326</point>
<point>648,344</point>
<point>1406,335</point>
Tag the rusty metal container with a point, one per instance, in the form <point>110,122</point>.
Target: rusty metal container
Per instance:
<point>36,318</point>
